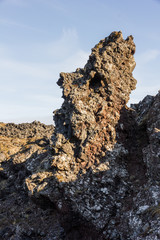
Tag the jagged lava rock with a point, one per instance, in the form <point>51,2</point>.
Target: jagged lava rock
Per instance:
<point>93,99</point>
<point>96,174</point>
<point>87,163</point>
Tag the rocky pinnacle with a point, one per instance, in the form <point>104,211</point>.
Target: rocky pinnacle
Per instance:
<point>93,99</point>
<point>96,174</point>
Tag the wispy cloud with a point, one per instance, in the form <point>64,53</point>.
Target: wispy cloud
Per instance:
<point>54,4</point>
<point>142,92</point>
<point>8,22</point>
<point>64,46</point>
<point>148,56</point>
<point>65,49</point>
<point>79,59</point>
<point>15,113</point>
<point>20,69</point>
<point>46,98</point>
<point>33,83</point>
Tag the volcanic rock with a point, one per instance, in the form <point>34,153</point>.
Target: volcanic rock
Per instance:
<point>96,174</point>
<point>93,99</point>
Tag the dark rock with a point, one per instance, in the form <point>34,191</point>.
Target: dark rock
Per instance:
<point>96,174</point>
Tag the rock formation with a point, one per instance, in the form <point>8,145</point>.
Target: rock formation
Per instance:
<point>93,99</point>
<point>96,174</point>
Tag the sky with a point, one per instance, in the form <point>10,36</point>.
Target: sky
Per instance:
<point>41,38</point>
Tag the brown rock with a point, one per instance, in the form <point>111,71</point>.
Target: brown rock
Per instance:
<point>96,175</point>
<point>94,97</point>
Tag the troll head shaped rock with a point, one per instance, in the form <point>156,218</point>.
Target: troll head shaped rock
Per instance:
<point>93,98</point>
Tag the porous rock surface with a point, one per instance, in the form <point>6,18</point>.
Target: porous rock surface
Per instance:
<point>93,99</point>
<point>96,174</point>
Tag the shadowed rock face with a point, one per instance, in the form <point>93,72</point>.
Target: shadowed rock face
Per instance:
<point>93,99</point>
<point>96,174</point>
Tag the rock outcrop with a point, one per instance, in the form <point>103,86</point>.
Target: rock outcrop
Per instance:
<point>93,99</point>
<point>96,174</point>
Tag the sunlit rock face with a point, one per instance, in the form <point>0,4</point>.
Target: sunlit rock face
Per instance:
<point>93,99</point>
<point>87,169</point>
<point>95,175</point>
<point>87,163</point>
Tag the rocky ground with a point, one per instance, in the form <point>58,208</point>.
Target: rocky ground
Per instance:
<point>95,175</point>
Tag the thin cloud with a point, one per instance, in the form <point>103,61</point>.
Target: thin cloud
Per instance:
<point>148,56</point>
<point>143,90</point>
<point>46,98</point>
<point>25,69</point>
<point>77,60</point>
<point>34,80</point>
<point>8,22</point>
<point>48,67</point>
<point>67,44</point>
<point>19,113</point>
<point>54,4</point>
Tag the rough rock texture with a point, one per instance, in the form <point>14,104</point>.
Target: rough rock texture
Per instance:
<point>22,147</point>
<point>93,99</point>
<point>96,175</point>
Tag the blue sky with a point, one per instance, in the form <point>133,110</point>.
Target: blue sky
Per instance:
<point>41,38</point>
